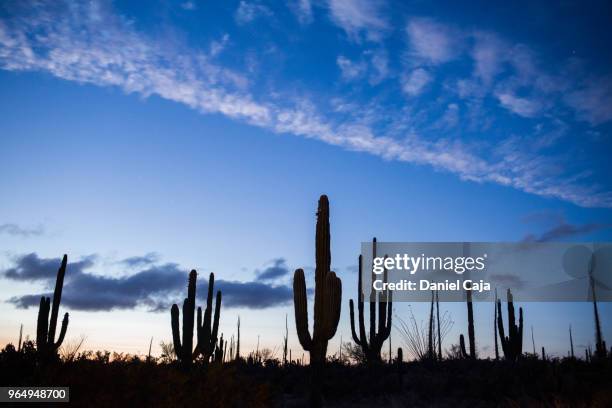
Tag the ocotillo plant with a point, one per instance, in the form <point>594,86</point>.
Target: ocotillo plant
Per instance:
<point>328,294</point>
<point>512,345</point>
<point>45,328</point>
<point>184,350</point>
<point>371,349</point>
<point>430,338</point>
<point>207,330</point>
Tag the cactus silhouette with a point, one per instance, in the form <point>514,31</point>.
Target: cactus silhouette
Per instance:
<point>464,353</point>
<point>470,311</point>
<point>45,328</point>
<point>600,345</point>
<point>328,294</point>
<point>372,349</point>
<point>207,330</point>
<point>512,345</point>
<point>183,350</point>
<point>220,348</point>
<point>327,303</point>
<point>495,326</point>
<point>238,341</point>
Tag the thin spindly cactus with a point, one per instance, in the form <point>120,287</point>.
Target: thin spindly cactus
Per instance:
<point>238,341</point>
<point>371,349</point>
<point>512,345</point>
<point>495,326</point>
<point>45,329</point>
<point>328,293</point>
<point>600,345</point>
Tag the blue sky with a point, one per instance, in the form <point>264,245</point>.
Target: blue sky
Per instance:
<point>200,135</point>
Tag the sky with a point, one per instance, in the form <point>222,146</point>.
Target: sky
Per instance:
<point>148,139</point>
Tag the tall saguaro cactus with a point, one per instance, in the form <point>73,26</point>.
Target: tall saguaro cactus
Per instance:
<point>328,294</point>
<point>512,345</point>
<point>45,328</point>
<point>207,330</point>
<point>183,350</point>
<point>372,349</point>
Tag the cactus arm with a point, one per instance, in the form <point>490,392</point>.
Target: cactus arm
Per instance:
<point>520,334</point>
<point>382,308</point>
<point>373,301</point>
<point>57,297</point>
<point>208,310</point>
<point>62,334</point>
<point>353,332</point>
<point>361,310</point>
<point>215,328</point>
<point>176,336</point>
<point>301,309</point>
<point>387,331</point>
<point>500,329</point>
<point>334,299</point>
<point>41,327</point>
<point>462,346</point>
<point>199,333</point>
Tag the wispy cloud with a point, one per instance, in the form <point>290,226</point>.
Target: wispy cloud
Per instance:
<point>89,43</point>
<point>520,106</point>
<point>350,70</point>
<point>188,5</point>
<point>593,100</point>
<point>19,231</point>
<point>302,10</point>
<point>249,11</point>
<point>565,230</point>
<point>154,287</point>
<point>431,42</point>
<point>359,17</point>
<point>415,81</point>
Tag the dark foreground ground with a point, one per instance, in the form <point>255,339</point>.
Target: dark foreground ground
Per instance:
<point>98,382</point>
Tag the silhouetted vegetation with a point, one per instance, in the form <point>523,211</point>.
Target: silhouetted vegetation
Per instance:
<point>207,375</point>
<point>105,378</point>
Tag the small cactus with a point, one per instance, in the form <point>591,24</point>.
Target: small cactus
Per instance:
<point>45,328</point>
<point>206,332</point>
<point>372,349</point>
<point>512,345</point>
<point>220,348</point>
